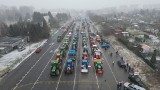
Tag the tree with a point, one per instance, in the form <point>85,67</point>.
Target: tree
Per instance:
<point>153,59</point>
<point>53,22</point>
<point>45,30</point>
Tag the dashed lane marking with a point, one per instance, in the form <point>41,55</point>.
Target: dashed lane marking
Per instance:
<point>42,71</point>
<point>62,82</point>
<point>31,68</point>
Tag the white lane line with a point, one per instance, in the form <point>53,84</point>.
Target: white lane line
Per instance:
<point>109,66</point>
<point>95,75</point>
<point>76,68</point>
<point>63,68</point>
<point>43,71</point>
<point>60,77</point>
<point>31,69</point>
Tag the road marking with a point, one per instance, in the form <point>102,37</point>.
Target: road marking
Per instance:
<point>42,71</point>
<point>96,75</point>
<point>76,66</point>
<point>47,65</point>
<point>109,66</point>
<point>31,69</point>
<point>53,82</point>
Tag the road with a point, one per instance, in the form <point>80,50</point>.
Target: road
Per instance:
<point>33,73</point>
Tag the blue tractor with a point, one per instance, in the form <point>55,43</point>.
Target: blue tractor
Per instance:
<point>69,68</point>
<point>105,46</point>
<point>72,53</point>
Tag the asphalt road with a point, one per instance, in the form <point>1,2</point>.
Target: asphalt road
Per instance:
<point>33,73</point>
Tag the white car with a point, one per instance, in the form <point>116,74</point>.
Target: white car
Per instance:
<point>130,86</point>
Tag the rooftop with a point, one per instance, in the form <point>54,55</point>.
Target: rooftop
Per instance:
<point>9,40</point>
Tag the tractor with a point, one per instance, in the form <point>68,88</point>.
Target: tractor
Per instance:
<point>63,51</point>
<point>56,68</point>
<point>69,68</point>
<point>59,38</point>
<point>84,66</point>
<point>59,56</point>
<point>98,67</point>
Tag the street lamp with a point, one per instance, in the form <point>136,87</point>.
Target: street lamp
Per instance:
<point>29,41</point>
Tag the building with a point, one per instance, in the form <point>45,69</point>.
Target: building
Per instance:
<point>8,44</point>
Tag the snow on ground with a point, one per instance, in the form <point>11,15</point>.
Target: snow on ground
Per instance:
<point>13,59</point>
<point>147,75</point>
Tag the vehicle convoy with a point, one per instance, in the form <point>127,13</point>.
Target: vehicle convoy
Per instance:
<point>56,68</point>
<point>69,68</point>
<point>84,66</point>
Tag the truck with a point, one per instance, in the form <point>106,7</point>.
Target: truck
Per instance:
<point>56,68</point>
<point>84,66</point>
<point>69,68</point>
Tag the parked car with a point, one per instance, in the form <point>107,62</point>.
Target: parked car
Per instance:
<point>38,50</point>
<point>121,63</point>
<point>135,79</point>
<point>130,86</point>
<point>21,49</point>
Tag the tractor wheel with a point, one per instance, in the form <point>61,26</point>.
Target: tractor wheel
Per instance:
<point>57,72</point>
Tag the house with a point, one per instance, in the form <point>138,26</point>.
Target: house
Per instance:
<point>146,48</point>
<point>125,34</point>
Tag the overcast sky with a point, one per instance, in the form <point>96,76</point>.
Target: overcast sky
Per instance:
<point>75,4</point>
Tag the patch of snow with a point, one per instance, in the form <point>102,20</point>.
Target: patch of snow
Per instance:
<point>13,59</point>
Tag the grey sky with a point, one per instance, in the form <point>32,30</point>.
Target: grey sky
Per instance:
<point>75,4</point>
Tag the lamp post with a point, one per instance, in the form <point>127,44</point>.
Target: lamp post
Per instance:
<point>29,41</point>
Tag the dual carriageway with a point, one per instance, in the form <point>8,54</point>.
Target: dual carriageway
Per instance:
<point>34,72</point>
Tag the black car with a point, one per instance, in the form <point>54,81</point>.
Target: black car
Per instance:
<point>135,79</point>
<point>121,63</point>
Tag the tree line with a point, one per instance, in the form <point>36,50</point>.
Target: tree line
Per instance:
<point>36,29</point>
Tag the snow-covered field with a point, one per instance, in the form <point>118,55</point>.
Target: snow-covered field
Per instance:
<point>13,59</point>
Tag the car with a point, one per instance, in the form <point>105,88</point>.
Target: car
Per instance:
<point>130,86</point>
<point>38,50</point>
<point>135,79</point>
<point>121,63</point>
<point>21,49</point>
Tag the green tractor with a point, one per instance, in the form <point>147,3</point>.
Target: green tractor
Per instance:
<point>66,45</point>
<point>56,68</point>
<point>66,39</point>
<point>98,67</point>
<point>59,38</point>
<point>63,51</point>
